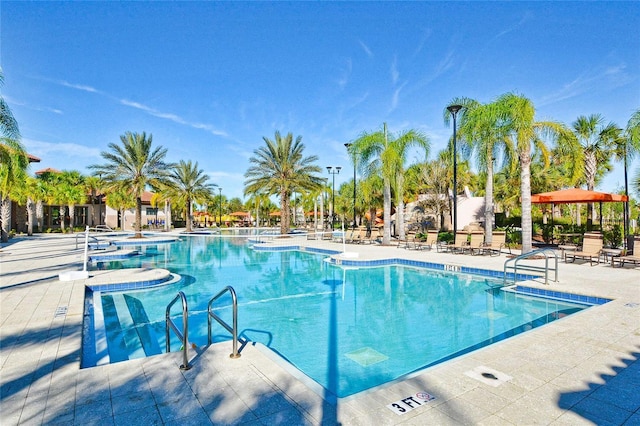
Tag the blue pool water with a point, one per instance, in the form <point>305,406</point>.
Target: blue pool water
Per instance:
<point>348,329</point>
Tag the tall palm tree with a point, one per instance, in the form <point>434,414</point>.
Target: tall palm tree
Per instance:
<point>517,115</point>
<point>626,149</point>
<point>134,166</point>
<point>24,194</point>
<point>279,167</point>
<point>590,147</point>
<point>187,184</point>
<point>480,134</point>
<point>384,154</point>
<point>13,162</point>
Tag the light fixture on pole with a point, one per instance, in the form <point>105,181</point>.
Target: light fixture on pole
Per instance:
<point>348,145</point>
<point>220,223</point>
<point>99,199</point>
<point>333,171</point>
<point>453,109</point>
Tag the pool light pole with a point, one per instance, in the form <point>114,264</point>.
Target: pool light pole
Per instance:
<point>99,199</point>
<point>220,224</point>
<point>333,171</point>
<point>453,109</point>
<point>348,146</point>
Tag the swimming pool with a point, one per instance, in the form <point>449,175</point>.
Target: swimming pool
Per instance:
<point>348,329</point>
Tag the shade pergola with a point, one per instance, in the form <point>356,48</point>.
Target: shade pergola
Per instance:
<point>576,196</point>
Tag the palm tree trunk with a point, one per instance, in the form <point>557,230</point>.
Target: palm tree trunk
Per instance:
<point>400,219</point>
<point>525,193</point>
<point>63,215</point>
<point>5,214</point>
<point>386,212</point>
<point>188,215</point>
<point>30,215</point>
<point>488,205</point>
<point>72,216</point>
<point>40,215</point>
<point>284,212</point>
<point>138,227</point>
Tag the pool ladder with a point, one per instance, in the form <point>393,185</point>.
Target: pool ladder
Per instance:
<point>546,252</point>
<point>183,335</point>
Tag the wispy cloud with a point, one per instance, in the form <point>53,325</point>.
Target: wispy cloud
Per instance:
<point>346,74</point>
<point>12,101</point>
<point>395,74</point>
<point>366,49</point>
<point>526,17</point>
<point>395,98</point>
<point>68,149</point>
<point>172,117</point>
<point>149,110</point>
<point>423,41</point>
<point>589,81</point>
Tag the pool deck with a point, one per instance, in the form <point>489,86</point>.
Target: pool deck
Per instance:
<point>582,369</point>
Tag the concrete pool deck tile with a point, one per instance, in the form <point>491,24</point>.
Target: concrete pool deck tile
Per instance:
<point>583,361</point>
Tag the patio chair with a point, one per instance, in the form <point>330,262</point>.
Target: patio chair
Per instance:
<point>633,257</point>
<point>498,242</point>
<point>432,239</point>
<point>591,249</point>
<point>459,243</point>
<point>350,235</point>
<point>476,241</point>
<point>410,242</point>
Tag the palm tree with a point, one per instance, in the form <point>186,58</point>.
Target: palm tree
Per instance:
<point>133,166</point>
<point>187,184</point>
<point>278,168</point>
<point>24,195</point>
<point>381,153</point>
<point>480,133</point>
<point>590,147</point>
<point>93,186</point>
<point>626,149</point>
<point>436,189</point>
<point>517,115</point>
<point>120,200</point>
<point>13,162</point>
<point>74,194</point>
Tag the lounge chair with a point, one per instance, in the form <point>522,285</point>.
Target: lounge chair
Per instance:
<point>410,242</point>
<point>633,257</point>
<point>432,239</point>
<point>591,249</point>
<point>476,241</point>
<point>458,244</point>
<point>498,242</point>
<point>312,235</point>
<point>350,235</point>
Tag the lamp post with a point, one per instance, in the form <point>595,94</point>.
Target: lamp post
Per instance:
<point>333,171</point>
<point>453,109</point>
<point>220,223</point>
<point>348,146</point>
<point>99,199</point>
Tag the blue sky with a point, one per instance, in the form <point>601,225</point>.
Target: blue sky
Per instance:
<point>208,79</point>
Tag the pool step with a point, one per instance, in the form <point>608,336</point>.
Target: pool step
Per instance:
<point>114,332</point>
<point>130,335</point>
<point>144,330</point>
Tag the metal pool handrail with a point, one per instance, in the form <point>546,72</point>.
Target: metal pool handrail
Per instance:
<point>545,269</point>
<point>184,335</point>
<point>231,329</point>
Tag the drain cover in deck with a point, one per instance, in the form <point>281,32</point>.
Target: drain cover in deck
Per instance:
<point>488,376</point>
<point>366,356</point>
